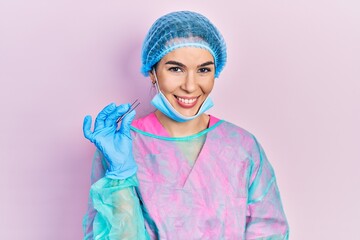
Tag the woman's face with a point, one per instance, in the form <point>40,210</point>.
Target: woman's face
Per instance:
<point>186,77</point>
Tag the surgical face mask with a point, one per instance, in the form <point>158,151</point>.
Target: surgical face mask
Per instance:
<point>163,105</point>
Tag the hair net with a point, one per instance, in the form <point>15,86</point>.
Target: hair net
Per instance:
<point>182,29</point>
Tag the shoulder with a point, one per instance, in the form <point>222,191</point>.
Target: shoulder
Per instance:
<point>149,124</point>
<point>233,131</point>
<point>237,137</point>
<point>143,122</point>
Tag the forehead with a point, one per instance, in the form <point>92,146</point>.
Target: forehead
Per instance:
<point>188,55</point>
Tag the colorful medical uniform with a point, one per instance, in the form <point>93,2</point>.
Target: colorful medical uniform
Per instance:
<point>216,184</point>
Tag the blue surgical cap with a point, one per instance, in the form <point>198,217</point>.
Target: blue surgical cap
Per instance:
<point>182,29</point>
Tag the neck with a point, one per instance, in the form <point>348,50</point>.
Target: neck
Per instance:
<point>182,129</point>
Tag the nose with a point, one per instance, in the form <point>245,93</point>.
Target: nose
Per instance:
<point>189,83</point>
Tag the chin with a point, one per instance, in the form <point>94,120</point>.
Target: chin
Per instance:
<point>189,113</point>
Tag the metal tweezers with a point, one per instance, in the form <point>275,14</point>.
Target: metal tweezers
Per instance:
<point>134,105</point>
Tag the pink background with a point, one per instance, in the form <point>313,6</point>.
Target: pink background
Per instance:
<point>292,79</point>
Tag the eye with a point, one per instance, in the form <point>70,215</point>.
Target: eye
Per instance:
<point>204,70</point>
<point>175,69</point>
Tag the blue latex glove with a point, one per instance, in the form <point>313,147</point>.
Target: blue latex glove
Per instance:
<point>116,145</point>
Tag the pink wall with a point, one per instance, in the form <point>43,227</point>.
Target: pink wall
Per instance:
<point>292,79</point>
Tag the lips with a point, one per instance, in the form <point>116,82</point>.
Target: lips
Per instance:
<point>186,102</point>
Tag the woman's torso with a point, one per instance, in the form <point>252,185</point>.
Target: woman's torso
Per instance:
<point>198,196</point>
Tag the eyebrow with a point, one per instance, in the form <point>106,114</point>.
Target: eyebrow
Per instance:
<point>175,63</point>
<point>182,65</point>
<point>206,64</point>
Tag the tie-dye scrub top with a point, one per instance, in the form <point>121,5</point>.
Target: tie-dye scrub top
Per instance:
<point>216,184</point>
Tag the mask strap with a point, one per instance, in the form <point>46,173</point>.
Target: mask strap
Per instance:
<point>156,81</point>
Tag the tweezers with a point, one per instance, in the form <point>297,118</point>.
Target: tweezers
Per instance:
<point>134,105</point>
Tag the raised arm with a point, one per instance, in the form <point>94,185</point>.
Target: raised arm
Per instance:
<point>114,210</point>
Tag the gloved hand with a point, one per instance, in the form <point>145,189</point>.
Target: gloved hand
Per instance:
<point>116,145</point>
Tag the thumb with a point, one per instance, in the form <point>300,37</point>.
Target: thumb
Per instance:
<point>86,128</point>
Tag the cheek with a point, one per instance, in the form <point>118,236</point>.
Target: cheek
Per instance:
<point>167,86</point>
<point>207,88</point>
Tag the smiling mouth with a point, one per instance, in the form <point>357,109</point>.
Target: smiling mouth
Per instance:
<point>186,102</point>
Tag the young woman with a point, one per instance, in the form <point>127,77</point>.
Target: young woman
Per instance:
<point>180,173</point>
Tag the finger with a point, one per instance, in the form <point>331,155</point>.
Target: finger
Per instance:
<point>86,128</point>
<point>118,112</point>
<point>101,117</point>
<point>126,123</point>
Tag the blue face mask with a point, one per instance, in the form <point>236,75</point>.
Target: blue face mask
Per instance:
<point>163,105</point>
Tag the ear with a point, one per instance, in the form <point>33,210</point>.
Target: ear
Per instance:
<point>152,77</point>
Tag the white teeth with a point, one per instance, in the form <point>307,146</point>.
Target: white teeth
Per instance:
<point>187,101</point>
